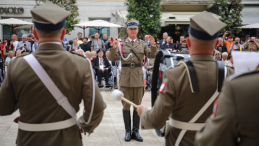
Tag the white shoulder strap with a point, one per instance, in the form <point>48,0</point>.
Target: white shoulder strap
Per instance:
<point>50,85</point>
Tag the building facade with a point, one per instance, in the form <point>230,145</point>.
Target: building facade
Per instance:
<point>87,9</point>
<point>175,15</point>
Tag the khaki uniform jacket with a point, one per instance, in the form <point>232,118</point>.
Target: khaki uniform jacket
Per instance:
<point>178,101</point>
<point>23,89</point>
<point>235,122</point>
<point>132,77</point>
<point>150,63</point>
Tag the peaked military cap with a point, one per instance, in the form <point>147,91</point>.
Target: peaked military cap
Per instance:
<point>49,17</point>
<point>204,26</point>
<point>132,23</point>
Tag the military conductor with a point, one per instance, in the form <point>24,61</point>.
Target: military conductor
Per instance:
<point>46,93</point>
<point>188,90</point>
<point>132,77</point>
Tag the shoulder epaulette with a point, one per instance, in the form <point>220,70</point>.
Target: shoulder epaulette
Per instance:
<point>78,54</point>
<point>178,64</point>
<point>242,74</point>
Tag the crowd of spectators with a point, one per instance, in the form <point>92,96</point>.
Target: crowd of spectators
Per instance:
<point>93,47</point>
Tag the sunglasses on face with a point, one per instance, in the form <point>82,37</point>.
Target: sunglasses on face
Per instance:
<point>217,53</point>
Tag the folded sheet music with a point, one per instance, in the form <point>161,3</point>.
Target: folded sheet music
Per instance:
<point>245,61</point>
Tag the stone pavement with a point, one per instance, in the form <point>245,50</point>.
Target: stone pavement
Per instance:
<point>109,133</point>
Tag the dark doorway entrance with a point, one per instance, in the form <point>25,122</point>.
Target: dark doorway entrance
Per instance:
<point>175,31</point>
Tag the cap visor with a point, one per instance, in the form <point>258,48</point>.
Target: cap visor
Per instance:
<point>132,27</point>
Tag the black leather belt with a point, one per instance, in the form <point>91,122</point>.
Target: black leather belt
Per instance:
<point>131,65</point>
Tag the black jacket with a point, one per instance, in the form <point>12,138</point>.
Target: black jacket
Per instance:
<point>222,49</point>
<point>85,47</point>
<point>95,63</point>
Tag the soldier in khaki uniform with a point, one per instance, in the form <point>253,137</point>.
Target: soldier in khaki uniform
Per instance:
<point>177,95</point>
<point>149,66</point>
<point>235,118</point>
<point>46,92</point>
<point>131,75</point>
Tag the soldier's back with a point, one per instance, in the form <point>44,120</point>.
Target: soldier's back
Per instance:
<point>187,104</point>
<point>245,93</point>
<point>35,102</point>
<point>234,121</point>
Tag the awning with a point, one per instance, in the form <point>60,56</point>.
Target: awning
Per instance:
<point>176,17</point>
<point>251,26</point>
<point>166,17</point>
<point>250,15</point>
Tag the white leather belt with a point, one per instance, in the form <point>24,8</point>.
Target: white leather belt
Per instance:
<point>186,125</point>
<point>47,126</point>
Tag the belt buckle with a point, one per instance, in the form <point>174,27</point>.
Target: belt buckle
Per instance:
<point>132,65</point>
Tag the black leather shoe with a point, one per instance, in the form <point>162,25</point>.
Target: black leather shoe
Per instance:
<point>135,135</point>
<point>127,137</point>
<point>135,131</point>
<point>100,85</point>
<point>127,123</point>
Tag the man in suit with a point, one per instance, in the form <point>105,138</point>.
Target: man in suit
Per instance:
<point>235,116</point>
<point>131,76</point>
<point>102,68</point>
<point>49,96</point>
<point>187,93</point>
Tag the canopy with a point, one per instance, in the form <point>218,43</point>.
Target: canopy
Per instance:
<point>251,26</point>
<point>14,22</point>
<point>97,24</point>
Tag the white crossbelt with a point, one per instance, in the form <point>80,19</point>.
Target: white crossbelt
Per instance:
<point>57,94</point>
<point>191,125</point>
<point>185,125</point>
<point>47,126</point>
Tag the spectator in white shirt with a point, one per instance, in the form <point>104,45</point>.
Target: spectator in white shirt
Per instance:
<point>24,44</point>
<point>224,56</point>
<point>9,58</point>
<point>14,39</point>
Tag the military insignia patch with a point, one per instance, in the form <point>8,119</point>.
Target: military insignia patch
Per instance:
<point>215,107</point>
<point>162,87</point>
